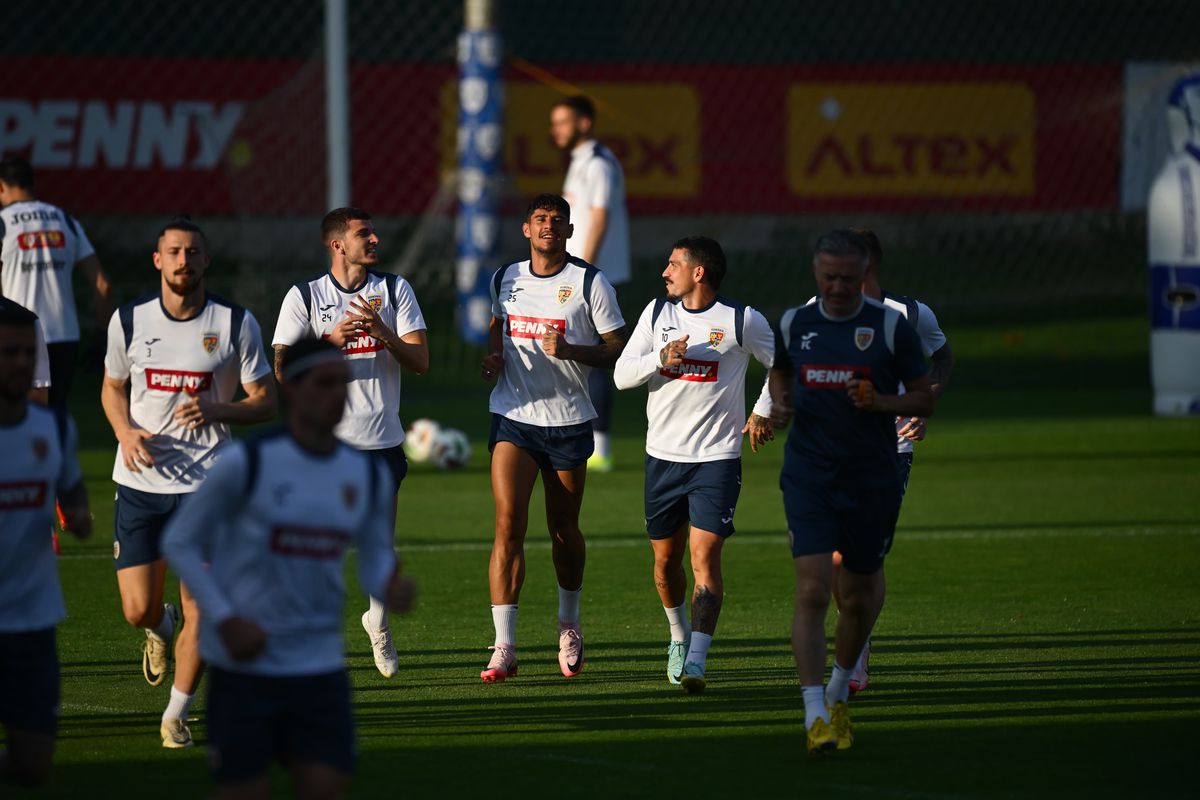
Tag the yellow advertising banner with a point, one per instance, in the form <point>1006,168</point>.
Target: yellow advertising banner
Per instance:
<point>652,128</point>
<point>911,139</point>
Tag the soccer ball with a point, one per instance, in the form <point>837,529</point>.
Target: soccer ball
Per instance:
<point>451,449</point>
<point>418,441</point>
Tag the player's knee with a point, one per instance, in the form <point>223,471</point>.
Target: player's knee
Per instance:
<point>140,614</point>
<point>812,595</point>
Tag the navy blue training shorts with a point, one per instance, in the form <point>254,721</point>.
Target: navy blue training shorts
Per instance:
<point>140,518</point>
<point>705,494</point>
<point>858,521</point>
<point>29,682</point>
<point>397,463</point>
<point>557,447</point>
<point>256,719</point>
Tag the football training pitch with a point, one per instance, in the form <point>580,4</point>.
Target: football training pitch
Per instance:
<point>1041,635</point>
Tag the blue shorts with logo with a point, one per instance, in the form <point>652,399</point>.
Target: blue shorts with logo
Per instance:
<point>397,462</point>
<point>857,520</point>
<point>557,447</point>
<point>140,518</point>
<point>29,682</point>
<point>256,719</point>
<point>704,494</point>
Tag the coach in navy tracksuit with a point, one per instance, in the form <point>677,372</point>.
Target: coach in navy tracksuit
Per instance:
<point>839,367</point>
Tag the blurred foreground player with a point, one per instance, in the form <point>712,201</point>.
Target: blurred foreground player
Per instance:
<point>839,366</point>
<point>39,465</point>
<point>554,319</point>
<point>691,349</point>
<point>263,549</point>
<point>182,353</point>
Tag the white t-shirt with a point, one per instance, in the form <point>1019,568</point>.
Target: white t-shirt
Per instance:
<point>581,304</point>
<point>37,466</point>
<point>695,412</point>
<point>165,359</point>
<point>40,245</point>
<point>312,308</point>
<point>273,523</point>
<point>595,179</point>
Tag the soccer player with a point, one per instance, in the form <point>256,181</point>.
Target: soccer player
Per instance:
<point>595,190</point>
<point>40,246</point>
<point>39,393</point>
<point>39,465</point>
<point>908,429</point>
<point>273,523</point>
<point>692,349</point>
<point>374,317</point>
<point>839,366</point>
<point>554,319</point>
<point>182,352</point>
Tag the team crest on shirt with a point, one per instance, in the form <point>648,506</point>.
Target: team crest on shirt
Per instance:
<point>210,342</point>
<point>376,302</point>
<point>863,337</point>
<point>564,294</point>
<point>41,448</point>
<point>349,495</point>
<point>715,337</point>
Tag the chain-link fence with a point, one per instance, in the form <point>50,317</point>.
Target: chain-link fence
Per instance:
<point>1001,149</point>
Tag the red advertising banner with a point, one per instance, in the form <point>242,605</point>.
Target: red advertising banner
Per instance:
<point>159,136</point>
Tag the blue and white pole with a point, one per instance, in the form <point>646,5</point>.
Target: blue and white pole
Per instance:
<point>480,146</point>
<point>1173,228</point>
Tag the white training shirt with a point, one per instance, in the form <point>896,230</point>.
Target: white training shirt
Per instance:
<point>311,308</point>
<point>595,179</point>
<point>164,360</point>
<point>577,301</point>
<point>37,466</point>
<point>40,245</point>
<point>695,411</point>
<point>273,523</point>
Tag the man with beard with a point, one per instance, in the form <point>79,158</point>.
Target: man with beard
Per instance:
<point>183,353</point>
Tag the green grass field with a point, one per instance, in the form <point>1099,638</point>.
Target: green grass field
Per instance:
<point>1041,635</point>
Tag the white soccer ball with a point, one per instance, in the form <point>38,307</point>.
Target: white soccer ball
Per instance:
<point>451,449</point>
<point>418,441</point>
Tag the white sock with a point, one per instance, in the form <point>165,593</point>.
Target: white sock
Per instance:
<point>814,704</point>
<point>178,706</point>
<point>505,620</point>
<point>165,628</point>
<point>677,617</point>
<point>698,650</point>
<point>377,615</point>
<point>603,446</point>
<point>839,685</point>
<point>568,607</point>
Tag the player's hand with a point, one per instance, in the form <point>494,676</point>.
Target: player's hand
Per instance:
<point>760,431</point>
<point>133,449</point>
<point>555,344</point>
<point>401,593</point>
<point>672,353</point>
<point>76,521</point>
<point>491,366</point>
<point>862,393</point>
<point>242,638</point>
<point>196,411</point>
<point>913,428</point>
<point>348,329</point>
<point>368,319</point>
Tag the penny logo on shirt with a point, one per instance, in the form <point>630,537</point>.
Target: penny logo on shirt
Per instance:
<point>210,342</point>
<point>716,336</point>
<point>863,337</point>
<point>564,294</point>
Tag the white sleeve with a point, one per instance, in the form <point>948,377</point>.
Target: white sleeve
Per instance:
<point>758,337</point>
<point>408,312</point>
<point>294,323</point>
<point>116,356</point>
<point>253,359</point>
<point>930,333</point>
<point>497,309</point>
<point>375,538</point>
<point>187,542</point>
<point>83,245</point>
<point>41,369</point>
<point>601,181</point>
<point>70,474</point>
<point>763,406</point>
<point>606,314</point>
<point>639,360</point>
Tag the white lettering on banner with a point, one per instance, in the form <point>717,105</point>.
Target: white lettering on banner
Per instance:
<point>534,327</point>
<point>833,376</point>
<point>691,369</point>
<point>127,134</point>
<point>170,380</point>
